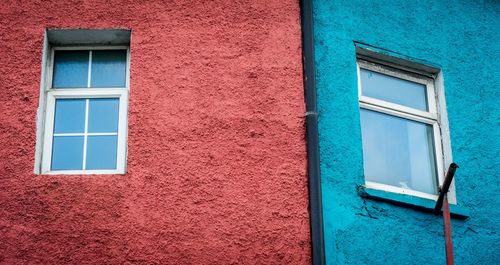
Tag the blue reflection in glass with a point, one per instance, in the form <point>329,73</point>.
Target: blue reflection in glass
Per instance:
<point>103,115</point>
<point>67,153</point>
<point>108,68</point>
<point>71,69</point>
<point>101,152</point>
<point>69,116</point>
<point>398,152</point>
<point>393,89</point>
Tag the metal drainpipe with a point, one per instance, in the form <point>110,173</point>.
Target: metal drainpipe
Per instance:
<point>313,169</point>
<point>442,204</point>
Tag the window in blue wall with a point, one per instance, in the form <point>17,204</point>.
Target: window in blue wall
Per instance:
<point>393,89</point>
<point>85,124</point>
<point>400,130</point>
<point>398,152</point>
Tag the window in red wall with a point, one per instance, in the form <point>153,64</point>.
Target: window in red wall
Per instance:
<point>85,99</point>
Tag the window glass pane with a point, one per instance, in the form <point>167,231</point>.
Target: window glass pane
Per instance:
<point>69,116</point>
<point>398,152</point>
<point>101,152</point>
<point>393,89</point>
<point>108,68</point>
<point>103,115</point>
<point>71,69</point>
<point>67,153</point>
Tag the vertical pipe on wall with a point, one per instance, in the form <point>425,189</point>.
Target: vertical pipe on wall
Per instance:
<point>447,232</point>
<point>442,204</point>
<point>313,168</point>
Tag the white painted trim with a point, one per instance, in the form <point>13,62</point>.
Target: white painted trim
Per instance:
<point>89,47</point>
<point>85,131</point>
<point>389,188</point>
<point>83,134</point>
<point>438,153</point>
<point>127,72</point>
<point>123,122</point>
<point>358,75</point>
<point>445,132</point>
<point>397,108</point>
<point>47,141</point>
<point>431,98</point>
<point>45,152</point>
<point>50,67</point>
<point>121,153</point>
<point>88,93</point>
<point>390,71</point>
<point>396,113</point>
<point>84,172</point>
<point>436,116</point>
<point>40,112</point>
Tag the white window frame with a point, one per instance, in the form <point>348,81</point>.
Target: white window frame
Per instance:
<point>435,116</point>
<point>52,94</point>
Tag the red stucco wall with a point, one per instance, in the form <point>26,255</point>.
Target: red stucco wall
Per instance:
<point>216,152</point>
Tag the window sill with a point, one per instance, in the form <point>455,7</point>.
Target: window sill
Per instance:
<point>420,204</point>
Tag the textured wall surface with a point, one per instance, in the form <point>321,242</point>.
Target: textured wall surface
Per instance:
<point>462,39</point>
<point>216,153</point>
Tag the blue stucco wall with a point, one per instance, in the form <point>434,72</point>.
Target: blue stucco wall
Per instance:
<point>462,39</point>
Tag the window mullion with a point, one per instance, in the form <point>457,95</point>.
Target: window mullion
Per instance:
<point>396,107</point>
<point>397,113</point>
<point>85,134</point>
<point>69,134</point>
<point>102,134</point>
